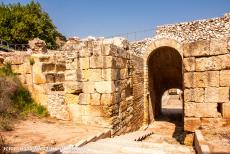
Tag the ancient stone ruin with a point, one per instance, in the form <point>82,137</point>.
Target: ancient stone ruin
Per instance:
<point>119,85</point>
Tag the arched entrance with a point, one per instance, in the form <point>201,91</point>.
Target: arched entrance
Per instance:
<point>163,70</point>
<point>164,73</point>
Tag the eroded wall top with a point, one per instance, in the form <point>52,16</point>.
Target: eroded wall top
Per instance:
<point>196,30</point>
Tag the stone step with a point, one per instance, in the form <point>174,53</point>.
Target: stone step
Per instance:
<point>136,136</point>
<point>118,143</point>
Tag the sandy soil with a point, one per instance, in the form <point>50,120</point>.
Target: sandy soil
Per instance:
<point>48,132</point>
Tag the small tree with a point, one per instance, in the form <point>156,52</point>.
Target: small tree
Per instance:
<point>20,23</point>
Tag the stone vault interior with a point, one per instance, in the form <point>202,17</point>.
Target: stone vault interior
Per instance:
<point>164,73</point>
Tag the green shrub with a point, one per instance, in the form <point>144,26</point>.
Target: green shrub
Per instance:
<point>15,100</point>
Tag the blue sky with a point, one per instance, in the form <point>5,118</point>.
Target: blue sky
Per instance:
<point>111,17</point>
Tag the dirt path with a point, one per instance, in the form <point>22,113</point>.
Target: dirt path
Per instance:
<point>48,132</point>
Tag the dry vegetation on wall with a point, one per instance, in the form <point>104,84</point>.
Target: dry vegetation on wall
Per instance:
<point>15,100</point>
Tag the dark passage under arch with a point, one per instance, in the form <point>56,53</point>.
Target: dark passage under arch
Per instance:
<point>165,72</point>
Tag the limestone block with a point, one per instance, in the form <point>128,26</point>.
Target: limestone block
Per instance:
<point>194,95</point>
<point>60,67</point>
<point>123,106</point>
<point>84,63</point>
<point>15,60</point>
<point>105,86</point>
<point>226,110</point>
<point>56,87</point>
<point>216,95</point>
<point>225,78</point>
<point>110,74</point>
<point>96,62</point>
<point>70,75</point>
<point>207,122</point>
<point>198,48</point>
<point>75,112</point>
<point>88,87</point>
<point>73,87</point>
<point>188,79</point>
<point>95,75</point>
<point>210,63</point>
<point>106,50</point>
<point>41,98</point>
<point>213,78</point>
<point>39,79</point>
<point>191,124</point>
<point>95,99</point>
<point>107,99</point>
<point>84,98</point>
<point>92,111</point>
<point>40,57</point>
<point>108,62</point>
<point>48,67</point>
<point>50,77</point>
<point>225,61</point>
<point>37,68</point>
<point>85,74</point>
<point>189,64</point>
<point>200,79</point>
<point>120,62</point>
<point>124,73</point>
<point>218,46</point>
<point>192,109</point>
<point>85,52</point>
<point>72,65</point>
<point>71,98</point>
<point>59,77</point>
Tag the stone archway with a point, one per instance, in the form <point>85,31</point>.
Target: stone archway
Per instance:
<point>163,70</point>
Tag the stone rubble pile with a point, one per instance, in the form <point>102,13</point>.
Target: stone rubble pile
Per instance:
<point>196,30</point>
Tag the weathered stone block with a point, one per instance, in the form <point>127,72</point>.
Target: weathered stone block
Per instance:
<point>198,48</point>
<point>225,78</point>
<point>48,67</point>
<point>226,110</point>
<point>73,87</point>
<point>92,111</point>
<point>189,64</point>
<point>40,57</point>
<point>95,75</point>
<point>39,78</point>
<point>108,62</point>
<point>70,75</point>
<point>71,98</point>
<point>188,79</point>
<point>60,67</point>
<point>191,124</point>
<point>96,62</point>
<point>194,95</point>
<point>123,73</point>
<point>210,63</point>
<point>107,99</point>
<point>95,99</point>
<point>213,78</point>
<point>22,69</point>
<point>56,87</point>
<point>15,60</point>
<point>218,46</point>
<point>120,62</point>
<point>192,109</point>
<point>200,79</point>
<point>123,106</point>
<point>84,75</point>
<point>225,61</point>
<point>88,87</point>
<point>75,112</point>
<point>105,86</point>
<point>50,77</point>
<point>84,98</point>
<point>216,95</point>
<point>84,63</point>
<point>60,77</point>
<point>110,74</point>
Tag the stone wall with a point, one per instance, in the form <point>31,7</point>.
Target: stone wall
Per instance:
<point>206,82</point>
<point>196,30</point>
<point>95,82</point>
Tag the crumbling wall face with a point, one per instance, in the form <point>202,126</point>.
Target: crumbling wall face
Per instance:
<point>206,82</point>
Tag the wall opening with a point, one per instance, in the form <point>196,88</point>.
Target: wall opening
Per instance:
<point>165,75</point>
